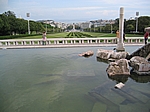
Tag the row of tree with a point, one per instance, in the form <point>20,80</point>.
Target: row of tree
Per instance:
<point>10,25</point>
<point>129,26</point>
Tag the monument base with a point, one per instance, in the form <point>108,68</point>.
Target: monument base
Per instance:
<point>120,47</point>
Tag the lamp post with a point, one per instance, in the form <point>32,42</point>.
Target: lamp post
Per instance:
<point>46,26</point>
<point>111,28</point>
<point>137,14</point>
<point>94,27</point>
<point>53,28</point>
<point>28,15</point>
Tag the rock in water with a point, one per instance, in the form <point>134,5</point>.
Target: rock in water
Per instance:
<point>120,67</point>
<point>86,54</point>
<point>139,64</point>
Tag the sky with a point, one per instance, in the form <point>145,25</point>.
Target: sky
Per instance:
<point>75,10</point>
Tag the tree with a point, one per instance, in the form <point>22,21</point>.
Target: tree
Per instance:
<point>21,26</point>
<point>143,22</point>
<point>70,27</point>
<point>129,24</point>
<point>32,26</point>
<point>129,28</point>
<point>9,24</point>
<point>39,27</point>
<point>13,25</point>
<point>1,23</point>
<point>4,25</point>
<point>11,21</point>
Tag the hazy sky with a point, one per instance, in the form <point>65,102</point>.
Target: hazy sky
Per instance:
<point>75,10</point>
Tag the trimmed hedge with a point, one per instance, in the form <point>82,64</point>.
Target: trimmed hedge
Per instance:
<point>78,35</point>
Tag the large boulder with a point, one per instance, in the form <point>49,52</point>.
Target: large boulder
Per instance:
<point>139,64</point>
<point>120,67</point>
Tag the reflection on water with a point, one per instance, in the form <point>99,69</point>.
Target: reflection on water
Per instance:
<point>119,78</point>
<point>135,77</point>
<point>102,60</point>
<point>140,78</point>
<point>58,80</point>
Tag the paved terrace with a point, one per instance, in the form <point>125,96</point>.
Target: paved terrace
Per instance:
<point>67,42</point>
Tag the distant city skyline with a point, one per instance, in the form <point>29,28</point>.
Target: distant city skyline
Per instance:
<point>73,11</point>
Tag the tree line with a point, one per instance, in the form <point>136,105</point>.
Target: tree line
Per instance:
<point>129,26</point>
<point>10,25</point>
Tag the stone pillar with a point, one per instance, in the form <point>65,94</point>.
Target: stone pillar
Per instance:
<point>120,44</point>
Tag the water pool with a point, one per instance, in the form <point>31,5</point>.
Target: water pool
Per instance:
<point>58,80</point>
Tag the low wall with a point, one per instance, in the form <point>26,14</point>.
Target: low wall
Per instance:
<point>56,41</point>
<point>68,41</point>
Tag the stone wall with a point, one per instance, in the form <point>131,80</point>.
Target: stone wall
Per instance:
<point>142,52</point>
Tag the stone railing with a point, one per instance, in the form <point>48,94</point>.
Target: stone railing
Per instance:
<point>68,41</point>
<point>133,40</point>
<point>57,41</point>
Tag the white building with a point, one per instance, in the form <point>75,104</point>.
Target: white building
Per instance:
<point>85,25</point>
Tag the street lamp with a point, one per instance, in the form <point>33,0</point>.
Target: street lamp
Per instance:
<point>111,28</point>
<point>46,26</point>
<point>94,27</point>
<point>28,15</point>
<point>137,14</point>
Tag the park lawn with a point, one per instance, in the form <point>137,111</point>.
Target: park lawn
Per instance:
<point>64,35</point>
<point>57,35</point>
<point>31,37</point>
<point>95,34</point>
<point>52,35</point>
<point>133,35</point>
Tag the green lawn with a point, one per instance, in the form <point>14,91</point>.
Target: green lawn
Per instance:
<point>64,35</point>
<point>101,34</point>
<point>54,35</point>
<point>110,35</point>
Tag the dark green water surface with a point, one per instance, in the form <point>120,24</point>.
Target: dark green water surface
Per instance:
<point>58,80</point>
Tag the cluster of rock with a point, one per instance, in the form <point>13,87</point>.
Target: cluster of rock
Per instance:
<point>121,66</point>
<point>108,54</point>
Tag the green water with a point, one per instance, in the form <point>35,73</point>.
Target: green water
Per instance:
<point>58,80</point>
